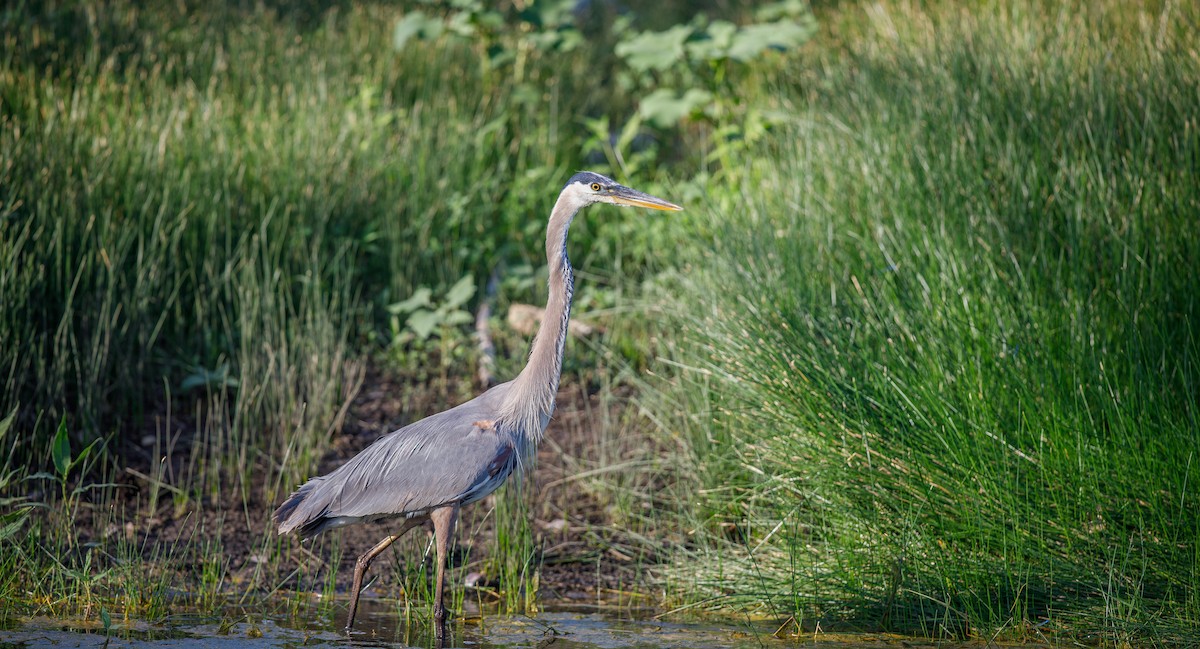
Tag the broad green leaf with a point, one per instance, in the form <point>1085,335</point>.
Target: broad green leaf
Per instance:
<point>715,42</point>
<point>105,619</point>
<point>490,20</point>
<point>422,323</point>
<point>654,50</point>
<point>416,24</point>
<point>571,39</point>
<point>555,13</point>
<point>664,108</point>
<point>457,317</point>
<point>406,28</point>
<point>462,291</point>
<point>60,450</point>
<point>752,40</point>
<point>544,41</point>
<point>419,299</point>
<point>460,24</point>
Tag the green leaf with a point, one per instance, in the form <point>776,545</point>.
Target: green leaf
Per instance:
<point>194,380</point>
<point>629,132</point>
<point>7,478</point>
<point>490,20</point>
<point>783,9</point>
<point>552,14</point>
<point>105,619</point>
<point>11,523</point>
<point>460,24</point>
<point>544,41</point>
<point>571,40</point>
<point>201,377</point>
<point>60,450</point>
<point>752,40</point>
<point>664,108</point>
<point>6,423</point>
<point>422,323</point>
<point>419,299</point>
<point>16,500</point>
<point>457,317</point>
<point>654,50</point>
<point>462,291</point>
<point>416,25</point>
<point>83,454</point>
<point>99,485</point>
<point>715,44</point>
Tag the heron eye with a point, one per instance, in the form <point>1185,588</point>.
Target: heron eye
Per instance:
<point>595,187</point>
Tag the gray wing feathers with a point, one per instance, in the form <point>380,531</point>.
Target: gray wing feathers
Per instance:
<point>441,459</point>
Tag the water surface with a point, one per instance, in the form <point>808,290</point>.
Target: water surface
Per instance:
<point>380,628</point>
<point>558,630</point>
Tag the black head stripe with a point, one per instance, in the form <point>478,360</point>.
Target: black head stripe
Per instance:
<point>588,177</point>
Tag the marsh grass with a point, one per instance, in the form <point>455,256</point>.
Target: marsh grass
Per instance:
<point>205,209</point>
<point>945,363</point>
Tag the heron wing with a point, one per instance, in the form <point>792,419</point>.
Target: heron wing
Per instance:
<point>454,456</point>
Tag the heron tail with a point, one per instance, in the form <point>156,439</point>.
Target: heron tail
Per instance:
<point>296,514</point>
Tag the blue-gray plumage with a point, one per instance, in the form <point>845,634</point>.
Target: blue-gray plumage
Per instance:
<point>404,473</point>
<point>427,470</point>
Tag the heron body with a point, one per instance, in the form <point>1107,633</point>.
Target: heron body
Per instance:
<point>428,470</point>
<point>404,473</point>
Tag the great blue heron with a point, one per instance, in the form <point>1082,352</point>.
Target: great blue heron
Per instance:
<point>429,469</point>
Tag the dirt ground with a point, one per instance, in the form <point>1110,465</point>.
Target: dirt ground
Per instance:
<point>582,554</point>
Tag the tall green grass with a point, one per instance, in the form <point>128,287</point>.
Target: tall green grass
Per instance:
<point>204,210</point>
<point>182,185</point>
<point>945,357</point>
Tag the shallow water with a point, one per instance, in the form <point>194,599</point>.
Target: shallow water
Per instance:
<point>379,626</point>
<point>561,630</point>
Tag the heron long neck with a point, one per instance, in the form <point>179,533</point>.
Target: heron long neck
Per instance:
<point>530,402</point>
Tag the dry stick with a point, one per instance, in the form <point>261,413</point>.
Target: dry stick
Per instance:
<point>487,351</point>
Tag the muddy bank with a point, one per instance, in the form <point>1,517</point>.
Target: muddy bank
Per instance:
<point>582,553</point>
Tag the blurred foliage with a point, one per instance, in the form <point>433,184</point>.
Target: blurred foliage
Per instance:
<point>679,73</point>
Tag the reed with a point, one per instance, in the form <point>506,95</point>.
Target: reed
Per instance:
<point>945,359</point>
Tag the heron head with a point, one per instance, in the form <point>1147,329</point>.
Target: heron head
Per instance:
<point>586,188</point>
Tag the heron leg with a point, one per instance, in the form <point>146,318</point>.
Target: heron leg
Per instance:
<point>360,566</point>
<point>443,528</point>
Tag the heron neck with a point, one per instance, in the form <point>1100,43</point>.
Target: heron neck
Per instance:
<point>530,403</point>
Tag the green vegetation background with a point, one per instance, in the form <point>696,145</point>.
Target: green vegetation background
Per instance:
<point>921,352</point>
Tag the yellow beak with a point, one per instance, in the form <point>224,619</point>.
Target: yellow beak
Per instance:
<point>621,195</point>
